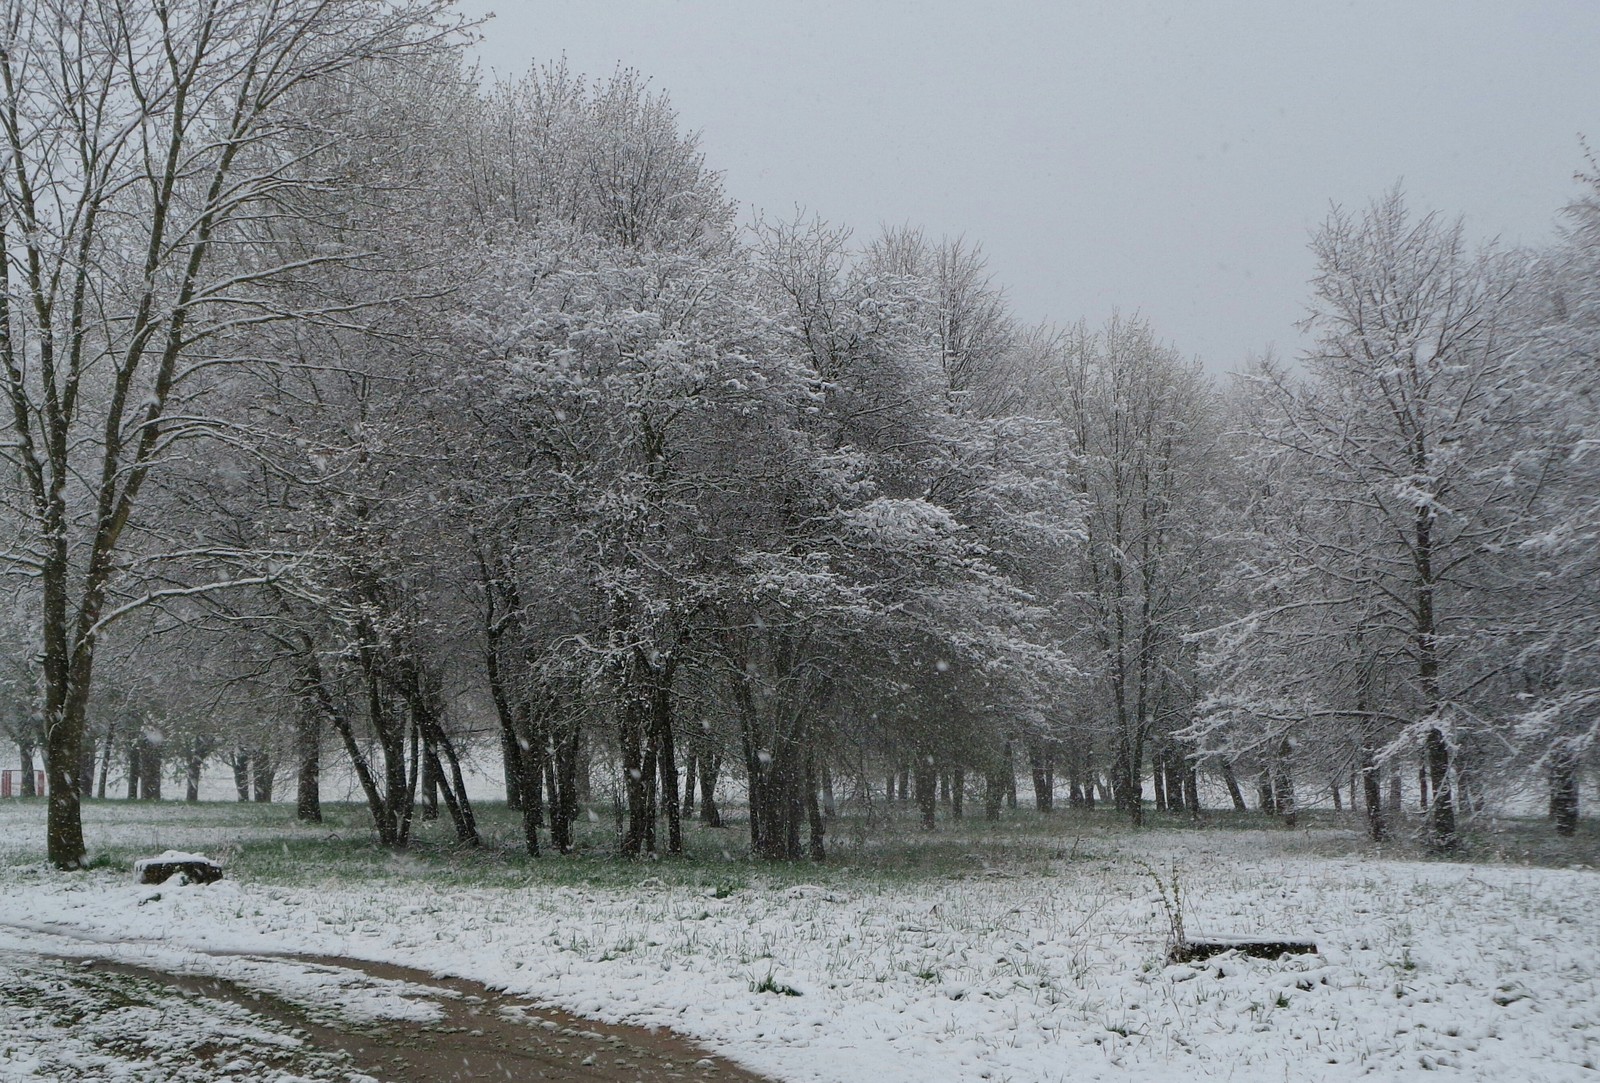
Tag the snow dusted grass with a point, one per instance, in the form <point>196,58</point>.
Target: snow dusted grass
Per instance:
<point>1027,951</point>
<point>63,1021</point>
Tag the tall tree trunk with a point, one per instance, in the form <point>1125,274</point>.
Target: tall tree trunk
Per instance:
<point>632,726</point>
<point>1075,798</point>
<point>1372,794</point>
<point>1283,801</point>
<point>1564,791</point>
<point>25,760</point>
<point>428,784</point>
<point>150,764</point>
<point>994,791</point>
<point>240,762</point>
<point>1266,795</point>
<point>1442,810</point>
<point>135,767</point>
<point>710,814</point>
<point>192,768</point>
<point>511,761</point>
<point>567,741</point>
<point>813,810</point>
<point>1436,748</point>
<point>686,809</point>
<point>958,791</point>
<point>667,765</point>
<point>1041,765</point>
<point>454,784</point>
<point>926,777</point>
<point>308,753</point>
<point>1172,764</point>
<point>1230,780</point>
<point>105,758</point>
<point>262,773</point>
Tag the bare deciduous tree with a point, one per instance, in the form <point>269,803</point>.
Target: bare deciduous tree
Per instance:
<point>140,147</point>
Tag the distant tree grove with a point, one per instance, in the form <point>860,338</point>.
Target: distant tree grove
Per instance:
<point>355,409</point>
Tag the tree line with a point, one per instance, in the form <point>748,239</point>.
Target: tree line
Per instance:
<point>362,410</point>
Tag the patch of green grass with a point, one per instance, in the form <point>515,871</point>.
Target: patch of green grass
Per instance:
<point>770,984</point>
<point>265,843</point>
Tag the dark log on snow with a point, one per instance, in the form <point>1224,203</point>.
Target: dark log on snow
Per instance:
<point>1204,947</point>
<point>195,868</point>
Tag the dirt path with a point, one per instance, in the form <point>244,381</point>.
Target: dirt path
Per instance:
<point>456,1030</point>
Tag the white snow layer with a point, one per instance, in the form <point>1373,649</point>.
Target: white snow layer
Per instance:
<point>1482,972</point>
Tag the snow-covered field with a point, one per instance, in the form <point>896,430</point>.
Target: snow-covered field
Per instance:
<point>1027,963</point>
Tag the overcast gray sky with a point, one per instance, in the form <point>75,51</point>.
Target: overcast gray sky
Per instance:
<point>1164,157</point>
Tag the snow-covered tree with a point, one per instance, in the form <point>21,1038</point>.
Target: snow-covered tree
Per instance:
<point>141,149</point>
<point>1402,440</point>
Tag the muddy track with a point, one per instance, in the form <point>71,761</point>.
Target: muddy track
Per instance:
<point>477,1033</point>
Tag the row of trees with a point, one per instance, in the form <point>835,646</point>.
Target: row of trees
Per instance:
<point>1417,508</point>
<point>356,407</point>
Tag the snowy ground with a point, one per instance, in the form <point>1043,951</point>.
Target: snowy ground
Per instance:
<point>1030,957</point>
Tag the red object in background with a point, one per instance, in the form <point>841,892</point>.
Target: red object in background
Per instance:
<point>11,783</point>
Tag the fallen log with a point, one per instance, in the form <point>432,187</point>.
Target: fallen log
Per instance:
<point>1195,948</point>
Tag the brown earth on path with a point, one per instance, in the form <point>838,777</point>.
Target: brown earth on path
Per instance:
<point>482,1035</point>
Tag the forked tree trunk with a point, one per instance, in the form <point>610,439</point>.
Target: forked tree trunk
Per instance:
<point>1172,764</point>
<point>565,774</point>
<point>1191,788</point>
<point>667,762</point>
